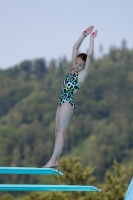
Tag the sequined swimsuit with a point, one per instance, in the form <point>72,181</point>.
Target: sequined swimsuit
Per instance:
<point>69,87</point>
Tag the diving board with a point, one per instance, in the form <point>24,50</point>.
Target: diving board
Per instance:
<point>27,187</point>
<point>28,170</point>
<point>129,193</point>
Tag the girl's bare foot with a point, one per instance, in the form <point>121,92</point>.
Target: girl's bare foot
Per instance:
<point>51,165</point>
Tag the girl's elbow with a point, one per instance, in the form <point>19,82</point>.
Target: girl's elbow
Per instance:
<point>86,74</point>
<point>90,55</point>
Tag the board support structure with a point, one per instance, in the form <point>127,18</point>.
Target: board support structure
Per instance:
<point>129,193</point>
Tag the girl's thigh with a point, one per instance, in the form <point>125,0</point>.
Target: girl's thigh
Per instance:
<point>64,114</point>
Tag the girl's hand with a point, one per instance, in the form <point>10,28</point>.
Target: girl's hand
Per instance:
<point>88,30</point>
<point>93,34</point>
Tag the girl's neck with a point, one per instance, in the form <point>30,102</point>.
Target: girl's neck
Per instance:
<point>73,71</point>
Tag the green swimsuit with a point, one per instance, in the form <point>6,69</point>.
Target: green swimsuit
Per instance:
<point>69,87</point>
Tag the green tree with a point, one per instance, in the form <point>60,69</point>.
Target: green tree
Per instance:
<point>115,185</point>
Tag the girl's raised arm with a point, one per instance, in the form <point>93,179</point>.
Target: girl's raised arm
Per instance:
<point>79,41</point>
<point>85,72</point>
<point>90,52</point>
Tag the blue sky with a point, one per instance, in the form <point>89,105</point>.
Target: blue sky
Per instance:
<point>31,29</point>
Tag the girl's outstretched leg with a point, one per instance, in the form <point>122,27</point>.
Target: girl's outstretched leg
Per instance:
<point>63,115</point>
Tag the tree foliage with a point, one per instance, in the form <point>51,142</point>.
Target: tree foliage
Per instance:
<point>115,183</point>
<point>99,131</point>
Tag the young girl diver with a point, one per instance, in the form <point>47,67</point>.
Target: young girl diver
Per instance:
<point>72,82</point>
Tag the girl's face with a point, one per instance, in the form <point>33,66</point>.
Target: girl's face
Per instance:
<point>79,64</point>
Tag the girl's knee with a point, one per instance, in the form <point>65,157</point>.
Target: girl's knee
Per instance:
<point>59,130</point>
